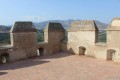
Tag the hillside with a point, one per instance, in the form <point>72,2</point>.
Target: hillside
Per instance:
<point>4,29</point>
<point>5,37</point>
<point>42,25</point>
<point>101,25</point>
<point>65,23</point>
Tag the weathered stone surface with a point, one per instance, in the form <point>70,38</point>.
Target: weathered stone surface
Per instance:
<point>24,40</point>
<point>113,38</point>
<point>51,26</point>
<point>23,27</point>
<point>54,34</point>
<point>82,33</point>
<point>83,25</point>
<point>114,25</point>
<point>82,40</point>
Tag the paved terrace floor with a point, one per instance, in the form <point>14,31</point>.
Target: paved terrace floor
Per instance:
<point>60,66</point>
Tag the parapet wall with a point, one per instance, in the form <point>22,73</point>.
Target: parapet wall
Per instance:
<point>53,35</point>
<point>82,34</point>
<point>82,39</point>
<point>24,41</point>
<point>112,49</point>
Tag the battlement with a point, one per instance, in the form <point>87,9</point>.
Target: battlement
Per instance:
<point>51,26</point>
<point>83,25</point>
<point>114,25</point>
<point>82,40</point>
<point>23,27</point>
<point>85,41</point>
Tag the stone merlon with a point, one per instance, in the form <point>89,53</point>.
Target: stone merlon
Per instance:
<point>114,25</point>
<point>54,27</point>
<point>23,27</point>
<point>83,25</point>
<point>82,39</point>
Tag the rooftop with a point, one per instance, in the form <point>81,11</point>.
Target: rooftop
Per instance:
<point>62,66</point>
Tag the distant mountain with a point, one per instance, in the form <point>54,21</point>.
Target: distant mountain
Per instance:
<point>4,28</point>
<point>101,25</point>
<point>42,25</point>
<point>65,23</point>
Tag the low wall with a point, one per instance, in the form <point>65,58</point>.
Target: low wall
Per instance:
<point>64,47</point>
<point>100,51</point>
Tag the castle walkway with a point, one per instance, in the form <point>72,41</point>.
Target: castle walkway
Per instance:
<point>62,66</point>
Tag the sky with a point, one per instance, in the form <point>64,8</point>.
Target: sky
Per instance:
<point>42,10</point>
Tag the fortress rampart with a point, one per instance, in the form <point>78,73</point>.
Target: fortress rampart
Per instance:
<point>82,40</point>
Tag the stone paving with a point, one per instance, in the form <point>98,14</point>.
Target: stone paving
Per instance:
<point>62,66</point>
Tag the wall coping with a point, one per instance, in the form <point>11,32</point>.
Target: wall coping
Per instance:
<point>103,44</point>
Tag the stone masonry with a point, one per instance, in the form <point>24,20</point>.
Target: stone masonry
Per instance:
<point>82,40</point>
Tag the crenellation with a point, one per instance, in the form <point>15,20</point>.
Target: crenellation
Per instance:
<point>82,40</point>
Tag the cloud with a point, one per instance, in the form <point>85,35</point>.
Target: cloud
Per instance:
<point>32,18</point>
<point>36,18</point>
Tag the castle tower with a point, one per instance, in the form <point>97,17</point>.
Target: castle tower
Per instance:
<point>82,36</point>
<point>54,34</point>
<point>24,40</point>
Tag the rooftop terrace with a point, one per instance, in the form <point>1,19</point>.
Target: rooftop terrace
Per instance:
<point>62,66</point>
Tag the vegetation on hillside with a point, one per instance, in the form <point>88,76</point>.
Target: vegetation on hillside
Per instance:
<point>40,36</point>
<point>5,37</point>
<point>102,36</point>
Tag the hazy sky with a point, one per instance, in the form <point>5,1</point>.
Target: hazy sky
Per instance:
<point>41,10</point>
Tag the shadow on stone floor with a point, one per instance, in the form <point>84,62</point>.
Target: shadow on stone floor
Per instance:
<point>56,55</point>
<point>32,61</point>
<point>3,73</point>
<point>22,64</point>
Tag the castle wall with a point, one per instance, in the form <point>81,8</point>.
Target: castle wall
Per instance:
<point>53,35</point>
<point>79,35</point>
<point>113,41</point>
<point>46,36</point>
<point>54,42</point>
<point>24,44</point>
<point>100,51</point>
<point>44,46</point>
<point>113,38</point>
<point>24,40</point>
<point>64,47</point>
<point>82,38</point>
<point>82,35</point>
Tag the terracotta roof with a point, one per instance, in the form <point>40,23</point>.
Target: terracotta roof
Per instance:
<point>83,25</point>
<point>114,25</point>
<point>23,27</point>
<point>51,26</point>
